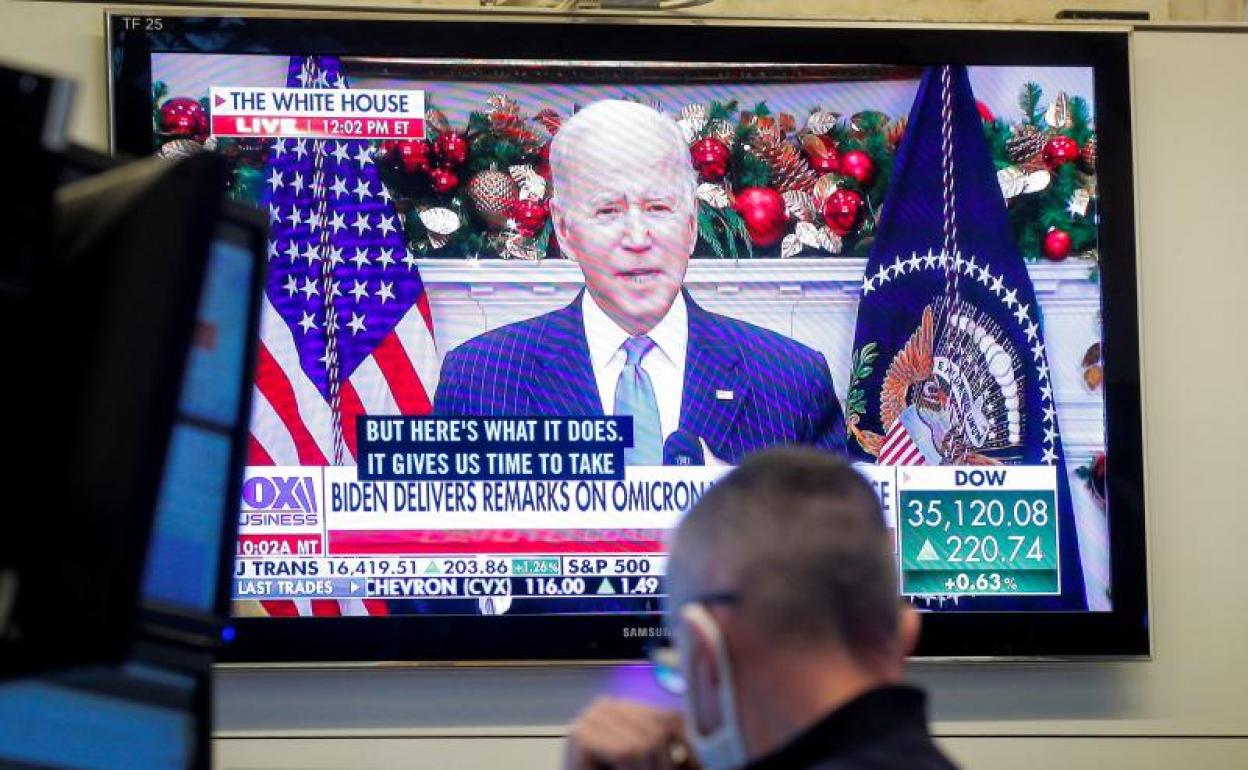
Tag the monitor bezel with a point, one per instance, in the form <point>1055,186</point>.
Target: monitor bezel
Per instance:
<point>1122,632</point>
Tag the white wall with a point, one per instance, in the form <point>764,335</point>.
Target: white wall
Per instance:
<point>1188,706</point>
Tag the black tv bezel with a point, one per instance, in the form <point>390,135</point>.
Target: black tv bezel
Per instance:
<point>1122,632</point>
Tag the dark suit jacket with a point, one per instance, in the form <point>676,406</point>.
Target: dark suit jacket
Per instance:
<point>745,388</point>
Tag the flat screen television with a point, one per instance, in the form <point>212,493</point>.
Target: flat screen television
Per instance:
<point>914,247</point>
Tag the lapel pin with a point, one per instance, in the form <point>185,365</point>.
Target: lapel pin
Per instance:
<point>724,395</point>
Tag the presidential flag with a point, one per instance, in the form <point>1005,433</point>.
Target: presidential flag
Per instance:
<point>345,326</point>
<point>949,363</point>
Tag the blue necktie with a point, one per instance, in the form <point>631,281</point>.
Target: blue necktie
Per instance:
<point>634,395</point>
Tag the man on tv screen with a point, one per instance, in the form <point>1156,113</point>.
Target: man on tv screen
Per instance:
<point>634,342</point>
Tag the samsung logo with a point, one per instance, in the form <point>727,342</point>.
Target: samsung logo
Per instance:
<point>645,632</point>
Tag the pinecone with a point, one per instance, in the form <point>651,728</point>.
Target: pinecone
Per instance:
<point>492,192</point>
<point>1026,143</point>
<point>789,169</point>
<point>1088,154</point>
<point>895,132</point>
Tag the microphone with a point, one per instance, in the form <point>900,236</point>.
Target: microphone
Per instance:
<point>683,448</point>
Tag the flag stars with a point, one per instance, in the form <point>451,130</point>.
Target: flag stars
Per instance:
<point>295,217</point>
<point>881,276</point>
<point>309,288</point>
<point>385,291</point>
<point>1011,298</point>
<point>301,148</point>
<point>867,286</point>
<point>291,286</point>
<point>335,256</point>
<point>386,259</point>
<point>335,290</point>
<point>912,264</point>
<point>272,250</point>
<point>307,323</point>
<point>1050,435</point>
<point>279,148</point>
<point>1046,390</point>
<point>292,251</point>
<point>1031,330</point>
<point>970,266</point>
<point>1050,456</point>
<point>341,153</point>
<point>1021,314</point>
<point>356,324</point>
<point>363,157</point>
<point>275,180</point>
<point>1050,414</point>
<point>897,267</point>
<point>1042,371</point>
<point>339,187</point>
<point>360,260</point>
<point>362,190</point>
<point>359,290</point>
<point>410,260</point>
<point>337,222</point>
<point>985,275</point>
<point>361,223</point>
<point>387,225</point>
<point>297,183</point>
<point>998,285</point>
<point>311,253</point>
<point>1037,350</point>
<point>930,260</point>
<point>385,194</point>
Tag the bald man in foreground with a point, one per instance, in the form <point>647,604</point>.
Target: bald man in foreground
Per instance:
<point>633,342</point>
<point>790,635</point>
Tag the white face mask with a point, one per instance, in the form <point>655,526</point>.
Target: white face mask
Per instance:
<point>724,748</point>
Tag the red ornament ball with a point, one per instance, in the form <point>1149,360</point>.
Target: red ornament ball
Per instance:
<point>857,165</point>
<point>412,154</point>
<point>185,118</point>
<point>822,154</point>
<point>764,213</point>
<point>1056,244</point>
<point>443,180</point>
<point>985,114</point>
<point>451,149</point>
<point>710,158</point>
<point>841,211</point>
<point>1060,150</point>
<point>529,216</point>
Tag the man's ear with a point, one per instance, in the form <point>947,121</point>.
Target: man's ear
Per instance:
<point>702,676</point>
<point>908,628</point>
<point>559,223</point>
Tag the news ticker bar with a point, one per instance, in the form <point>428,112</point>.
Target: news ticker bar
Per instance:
<point>451,578</point>
<point>959,530</point>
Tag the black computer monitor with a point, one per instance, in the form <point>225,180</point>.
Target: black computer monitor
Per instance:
<point>137,350</point>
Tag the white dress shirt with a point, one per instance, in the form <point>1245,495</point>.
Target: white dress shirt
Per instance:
<point>665,363</point>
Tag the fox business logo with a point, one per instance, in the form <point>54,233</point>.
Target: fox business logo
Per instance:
<point>279,501</point>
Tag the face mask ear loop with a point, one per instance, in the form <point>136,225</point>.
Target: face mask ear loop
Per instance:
<point>698,616</point>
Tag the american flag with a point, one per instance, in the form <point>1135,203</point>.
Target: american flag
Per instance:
<point>346,328</point>
<point>899,449</point>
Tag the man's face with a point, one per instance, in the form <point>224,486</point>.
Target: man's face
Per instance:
<point>627,215</point>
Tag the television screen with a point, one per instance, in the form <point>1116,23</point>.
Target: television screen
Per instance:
<point>533,287</point>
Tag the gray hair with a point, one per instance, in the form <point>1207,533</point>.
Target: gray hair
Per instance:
<point>801,536</point>
<point>618,120</point>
